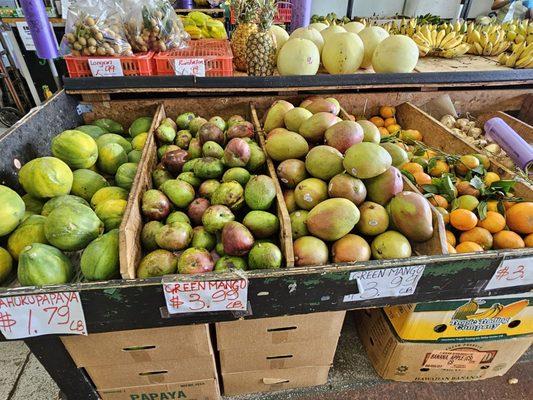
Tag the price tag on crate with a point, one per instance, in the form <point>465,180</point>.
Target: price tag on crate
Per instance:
<point>42,314</point>
<point>204,296</point>
<point>189,66</point>
<point>101,67</point>
<point>512,272</point>
<point>387,282</point>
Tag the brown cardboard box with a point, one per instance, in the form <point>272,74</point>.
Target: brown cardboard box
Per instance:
<point>140,345</point>
<point>269,380</point>
<point>196,390</point>
<point>153,372</point>
<point>280,356</point>
<point>434,362</point>
<point>255,333</point>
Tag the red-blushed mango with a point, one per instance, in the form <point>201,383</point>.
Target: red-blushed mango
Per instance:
<point>390,244</point>
<point>276,114</point>
<point>343,135</point>
<point>313,129</point>
<point>294,118</point>
<point>323,105</point>
<point>291,172</point>
<point>285,144</point>
<point>411,214</point>
<point>332,219</point>
<point>309,250</point>
<point>347,187</point>
<point>324,162</point>
<point>309,192</point>
<point>350,248</point>
<point>383,187</point>
<point>399,156</point>
<point>366,160</point>
<point>374,219</point>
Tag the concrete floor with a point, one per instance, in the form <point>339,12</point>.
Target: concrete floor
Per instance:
<point>22,377</point>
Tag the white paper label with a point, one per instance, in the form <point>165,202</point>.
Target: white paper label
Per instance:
<point>105,67</point>
<point>512,272</point>
<point>64,7</point>
<point>389,282</point>
<point>189,66</point>
<point>42,314</point>
<point>203,296</point>
<point>25,35</point>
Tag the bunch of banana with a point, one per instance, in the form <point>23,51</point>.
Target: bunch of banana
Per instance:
<point>457,26</point>
<point>487,41</point>
<point>519,31</point>
<point>491,312</point>
<point>521,57</point>
<point>389,27</point>
<point>434,41</point>
<point>408,27</point>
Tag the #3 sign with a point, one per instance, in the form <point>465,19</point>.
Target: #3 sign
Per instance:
<point>202,296</point>
<point>512,272</point>
<point>386,282</point>
<point>42,314</point>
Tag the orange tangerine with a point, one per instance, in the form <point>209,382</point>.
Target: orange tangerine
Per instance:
<point>528,240</point>
<point>508,240</point>
<point>468,247</point>
<point>422,178</point>
<point>451,249</point>
<point>383,131</point>
<point>493,222</point>
<point>429,154</point>
<point>450,238</point>
<point>467,202</point>
<point>389,121</point>
<point>490,178</point>
<point>394,128</point>
<point>440,167</point>
<point>477,235</point>
<point>411,134</point>
<point>445,214</point>
<point>520,217</point>
<point>492,205</point>
<point>465,164</point>
<point>463,220</point>
<point>412,167</point>
<point>378,121</point>
<point>387,111</point>
<point>438,201</point>
<point>484,160</point>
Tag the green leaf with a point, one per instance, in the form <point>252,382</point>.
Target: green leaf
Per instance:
<point>432,163</point>
<point>432,189</point>
<point>477,183</point>
<point>504,186</point>
<point>447,187</point>
<point>408,175</point>
<point>480,169</point>
<point>482,210</point>
<point>419,151</point>
<point>501,208</point>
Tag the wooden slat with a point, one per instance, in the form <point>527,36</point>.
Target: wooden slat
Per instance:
<point>464,63</point>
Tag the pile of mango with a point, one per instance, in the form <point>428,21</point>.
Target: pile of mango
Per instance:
<point>201,26</point>
<point>343,190</point>
<point>74,201</point>
<point>211,208</point>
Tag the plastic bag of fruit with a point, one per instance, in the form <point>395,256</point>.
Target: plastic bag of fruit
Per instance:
<point>95,28</point>
<point>153,25</point>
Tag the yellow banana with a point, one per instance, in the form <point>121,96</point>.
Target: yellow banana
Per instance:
<point>487,50</point>
<point>448,38</point>
<point>489,313</point>
<point>477,49</point>
<point>440,35</point>
<point>511,61</point>
<point>433,37</point>
<point>522,62</point>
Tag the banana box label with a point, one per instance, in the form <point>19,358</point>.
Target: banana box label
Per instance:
<point>459,320</point>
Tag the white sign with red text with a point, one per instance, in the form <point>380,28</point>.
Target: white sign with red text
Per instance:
<point>512,272</point>
<point>105,67</point>
<point>189,66</point>
<point>42,314</point>
<point>203,296</point>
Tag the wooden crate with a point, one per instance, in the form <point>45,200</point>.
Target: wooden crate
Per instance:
<point>130,230</point>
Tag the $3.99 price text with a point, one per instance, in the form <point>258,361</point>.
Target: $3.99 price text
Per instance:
<point>186,297</point>
<point>34,315</point>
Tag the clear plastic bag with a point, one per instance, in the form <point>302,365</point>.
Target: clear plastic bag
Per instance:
<point>153,25</point>
<point>95,28</point>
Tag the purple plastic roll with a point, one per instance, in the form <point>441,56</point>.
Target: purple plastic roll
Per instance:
<point>184,4</point>
<point>516,148</point>
<point>301,13</point>
<point>40,28</point>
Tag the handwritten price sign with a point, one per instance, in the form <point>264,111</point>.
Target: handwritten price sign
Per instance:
<point>41,314</point>
<point>187,297</point>
<point>105,67</point>
<point>512,272</point>
<point>189,66</point>
<point>391,282</point>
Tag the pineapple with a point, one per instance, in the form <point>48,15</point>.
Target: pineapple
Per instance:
<point>246,17</point>
<point>261,45</point>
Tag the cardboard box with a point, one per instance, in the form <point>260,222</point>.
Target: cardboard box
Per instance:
<point>140,345</point>
<point>153,372</point>
<point>269,380</point>
<point>255,333</point>
<point>280,356</point>
<point>207,389</point>
<point>403,361</point>
<point>466,319</point>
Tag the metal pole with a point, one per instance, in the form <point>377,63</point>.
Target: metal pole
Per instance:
<point>466,9</point>
<point>349,9</point>
<point>53,69</point>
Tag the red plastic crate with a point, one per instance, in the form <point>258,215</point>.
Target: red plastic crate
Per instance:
<point>136,65</point>
<point>216,54</point>
<point>283,16</point>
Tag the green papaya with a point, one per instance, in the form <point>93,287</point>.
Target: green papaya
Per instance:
<point>72,227</point>
<point>126,175</point>
<point>30,231</point>
<point>46,177</point>
<point>6,264</point>
<point>110,157</point>
<point>111,213</point>
<point>75,148</point>
<point>138,141</point>
<point>86,183</point>
<point>108,193</point>
<point>33,204</point>
<point>134,156</point>
<point>100,260</point>
<point>11,210</point>
<point>113,138</point>
<point>109,125</point>
<point>92,130</point>
<point>41,264</point>
<point>59,201</point>
<point>140,125</point>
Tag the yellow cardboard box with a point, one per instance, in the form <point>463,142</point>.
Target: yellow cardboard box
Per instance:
<point>466,319</point>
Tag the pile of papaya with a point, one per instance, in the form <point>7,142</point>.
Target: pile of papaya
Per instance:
<point>73,201</point>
